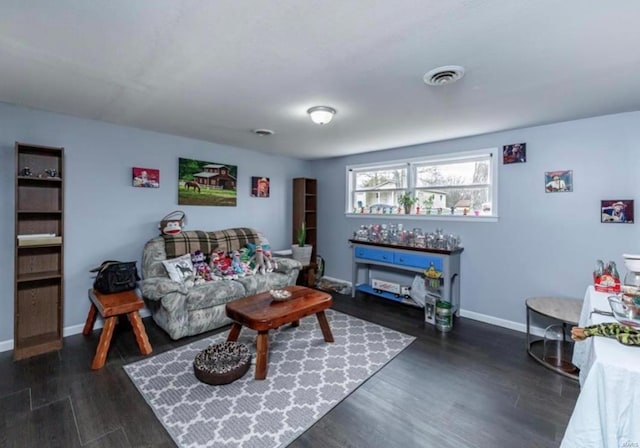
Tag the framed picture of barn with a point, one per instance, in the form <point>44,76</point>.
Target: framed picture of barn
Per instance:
<point>206,183</point>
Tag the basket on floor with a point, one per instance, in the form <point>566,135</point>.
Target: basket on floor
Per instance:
<point>222,363</point>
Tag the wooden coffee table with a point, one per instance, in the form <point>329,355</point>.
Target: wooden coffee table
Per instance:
<point>261,313</point>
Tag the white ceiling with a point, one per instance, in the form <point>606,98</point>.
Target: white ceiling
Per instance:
<point>216,69</point>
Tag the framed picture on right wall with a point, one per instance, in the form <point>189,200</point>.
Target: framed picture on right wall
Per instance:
<point>558,181</point>
<point>516,153</point>
<point>616,211</point>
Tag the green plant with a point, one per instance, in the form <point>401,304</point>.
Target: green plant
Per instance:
<point>428,203</point>
<point>302,235</point>
<point>407,200</point>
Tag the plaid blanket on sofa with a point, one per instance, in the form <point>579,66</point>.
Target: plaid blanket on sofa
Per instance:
<point>227,240</point>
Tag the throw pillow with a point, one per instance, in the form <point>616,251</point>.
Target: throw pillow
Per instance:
<point>180,268</point>
<point>252,248</point>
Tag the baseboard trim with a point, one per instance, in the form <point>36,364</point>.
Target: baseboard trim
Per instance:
<point>511,325</point>
<point>522,328</point>
<point>337,280</point>
<point>5,346</point>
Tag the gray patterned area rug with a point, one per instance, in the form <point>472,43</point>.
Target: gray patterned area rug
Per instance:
<point>306,378</point>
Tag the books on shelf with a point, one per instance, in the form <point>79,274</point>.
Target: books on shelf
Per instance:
<point>39,239</point>
<point>36,235</point>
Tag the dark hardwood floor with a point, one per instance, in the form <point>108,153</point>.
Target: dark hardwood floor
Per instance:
<point>472,387</point>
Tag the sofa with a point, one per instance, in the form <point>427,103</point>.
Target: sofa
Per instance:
<point>184,309</point>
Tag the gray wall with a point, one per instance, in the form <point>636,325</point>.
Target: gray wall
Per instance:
<point>543,244</point>
<point>106,218</point>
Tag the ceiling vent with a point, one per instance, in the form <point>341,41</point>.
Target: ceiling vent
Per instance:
<point>443,75</point>
<point>263,132</point>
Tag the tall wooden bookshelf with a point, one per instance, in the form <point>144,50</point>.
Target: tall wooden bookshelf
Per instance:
<point>39,250</point>
<point>305,209</point>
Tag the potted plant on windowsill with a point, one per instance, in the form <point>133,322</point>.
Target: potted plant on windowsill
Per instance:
<point>302,251</point>
<point>407,201</point>
<point>428,203</point>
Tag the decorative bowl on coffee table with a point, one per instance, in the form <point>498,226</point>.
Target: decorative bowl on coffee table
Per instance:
<point>280,295</point>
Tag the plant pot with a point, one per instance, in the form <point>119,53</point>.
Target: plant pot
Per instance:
<point>302,254</point>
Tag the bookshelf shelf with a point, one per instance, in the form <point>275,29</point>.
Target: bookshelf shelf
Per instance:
<point>39,267</point>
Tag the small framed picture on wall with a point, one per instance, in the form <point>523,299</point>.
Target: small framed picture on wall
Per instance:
<point>617,211</point>
<point>516,153</point>
<point>260,187</point>
<point>146,177</point>
<point>558,181</point>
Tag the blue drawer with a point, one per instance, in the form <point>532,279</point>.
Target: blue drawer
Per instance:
<point>374,254</point>
<point>417,261</point>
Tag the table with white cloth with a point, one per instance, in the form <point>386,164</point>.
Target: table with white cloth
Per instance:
<point>607,412</point>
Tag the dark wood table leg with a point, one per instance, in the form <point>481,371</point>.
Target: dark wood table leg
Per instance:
<point>295,323</point>
<point>103,344</point>
<point>262,354</point>
<point>91,320</point>
<point>234,333</point>
<point>324,326</point>
<point>140,333</point>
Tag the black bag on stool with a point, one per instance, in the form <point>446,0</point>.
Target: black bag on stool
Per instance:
<point>115,276</point>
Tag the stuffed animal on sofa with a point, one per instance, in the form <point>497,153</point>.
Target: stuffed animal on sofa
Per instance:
<point>204,273</point>
<point>270,262</point>
<point>221,264</point>
<point>239,268</point>
<point>258,258</point>
<point>200,266</point>
<point>245,256</point>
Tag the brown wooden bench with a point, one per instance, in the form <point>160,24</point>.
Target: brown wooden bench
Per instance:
<point>110,306</point>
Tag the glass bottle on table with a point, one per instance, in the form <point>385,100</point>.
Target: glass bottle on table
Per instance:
<point>613,270</point>
<point>599,270</point>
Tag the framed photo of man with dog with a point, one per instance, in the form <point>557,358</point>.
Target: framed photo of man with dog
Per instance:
<point>206,183</point>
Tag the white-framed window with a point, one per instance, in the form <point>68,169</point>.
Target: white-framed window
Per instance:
<point>443,186</point>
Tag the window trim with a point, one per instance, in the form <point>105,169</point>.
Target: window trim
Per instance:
<point>411,164</point>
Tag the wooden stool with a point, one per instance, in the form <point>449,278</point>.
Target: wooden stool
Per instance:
<point>110,307</point>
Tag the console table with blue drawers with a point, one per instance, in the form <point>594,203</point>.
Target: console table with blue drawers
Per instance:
<point>413,259</point>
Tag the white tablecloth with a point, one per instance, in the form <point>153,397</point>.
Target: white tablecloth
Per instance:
<point>607,413</point>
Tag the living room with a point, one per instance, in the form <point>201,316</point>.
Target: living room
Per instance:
<point>540,244</point>
<point>554,231</point>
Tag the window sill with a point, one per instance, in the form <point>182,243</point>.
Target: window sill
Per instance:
<point>467,218</point>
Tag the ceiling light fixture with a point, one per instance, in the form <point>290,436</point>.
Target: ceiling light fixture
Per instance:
<point>321,114</point>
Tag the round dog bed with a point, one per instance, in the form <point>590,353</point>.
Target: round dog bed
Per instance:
<point>222,363</point>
